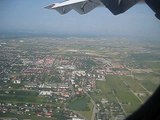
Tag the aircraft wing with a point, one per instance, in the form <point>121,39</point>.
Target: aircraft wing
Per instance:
<point>81,6</point>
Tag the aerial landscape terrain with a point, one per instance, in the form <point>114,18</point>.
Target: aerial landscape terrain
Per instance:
<point>101,64</point>
<point>76,78</point>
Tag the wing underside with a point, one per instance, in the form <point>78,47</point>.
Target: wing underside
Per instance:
<point>81,6</point>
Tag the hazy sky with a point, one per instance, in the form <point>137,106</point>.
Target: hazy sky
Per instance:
<point>30,16</point>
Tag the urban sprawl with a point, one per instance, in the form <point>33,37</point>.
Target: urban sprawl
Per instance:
<point>74,78</point>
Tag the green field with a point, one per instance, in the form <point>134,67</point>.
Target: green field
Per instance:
<point>82,105</point>
<point>22,99</point>
<point>87,114</point>
<point>106,91</point>
<point>24,116</point>
<point>114,88</point>
<point>21,96</point>
<point>149,80</point>
<point>132,83</point>
<point>79,103</point>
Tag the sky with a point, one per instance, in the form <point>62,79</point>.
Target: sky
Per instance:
<point>30,16</point>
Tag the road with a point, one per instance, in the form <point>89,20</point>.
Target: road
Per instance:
<point>132,92</point>
<point>119,102</point>
<point>94,111</point>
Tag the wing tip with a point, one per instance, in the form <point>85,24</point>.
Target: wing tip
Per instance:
<point>50,6</point>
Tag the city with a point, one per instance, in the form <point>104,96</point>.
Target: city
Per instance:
<point>76,78</point>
